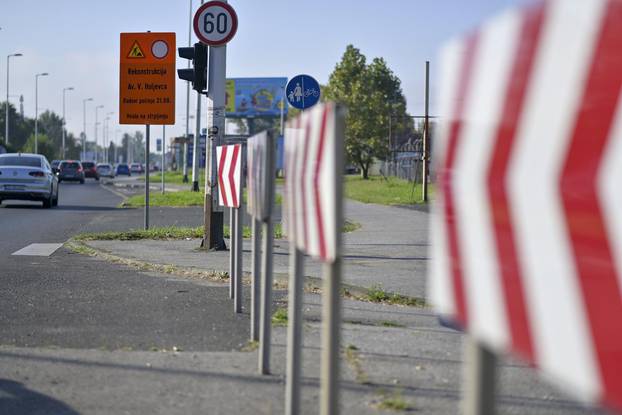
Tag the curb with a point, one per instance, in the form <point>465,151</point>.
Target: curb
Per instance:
<point>281,280</point>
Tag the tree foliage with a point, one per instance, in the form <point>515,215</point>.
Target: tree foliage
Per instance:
<point>373,96</point>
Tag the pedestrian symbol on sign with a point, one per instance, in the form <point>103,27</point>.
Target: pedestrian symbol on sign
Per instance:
<point>136,51</point>
<point>303,92</point>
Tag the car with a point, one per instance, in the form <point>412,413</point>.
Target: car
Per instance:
<point>137,168</point>
<point>25,176</point>
<point>90,170</point>
<point>71,170</point>
<point>54,165</point>
<point>105,170</point>
<point>123,168</point>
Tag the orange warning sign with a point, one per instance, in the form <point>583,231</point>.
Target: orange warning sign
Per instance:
<point>147,81</point>
<point>136,51</point>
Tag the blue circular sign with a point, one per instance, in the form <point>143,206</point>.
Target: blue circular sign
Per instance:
<point>302,92</point>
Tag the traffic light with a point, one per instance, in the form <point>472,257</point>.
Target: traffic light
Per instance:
<point>197,75</point>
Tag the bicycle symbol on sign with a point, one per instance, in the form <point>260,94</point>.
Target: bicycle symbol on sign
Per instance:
<point>312,91</point>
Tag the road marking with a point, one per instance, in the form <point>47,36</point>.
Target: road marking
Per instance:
<point>38,249</point>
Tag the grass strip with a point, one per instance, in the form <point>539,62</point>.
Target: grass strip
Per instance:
<point>384,191</point>
<point>376,294</point>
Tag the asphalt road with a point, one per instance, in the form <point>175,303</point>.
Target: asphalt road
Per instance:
<point>72,301</point>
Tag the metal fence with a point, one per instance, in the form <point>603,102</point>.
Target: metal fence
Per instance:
<point>405,159</point>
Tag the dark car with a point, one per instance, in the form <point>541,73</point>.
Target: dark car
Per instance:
<point>90,170</point>
<point>54,165</point>
<point>70,170</point>
<point>123,169</point>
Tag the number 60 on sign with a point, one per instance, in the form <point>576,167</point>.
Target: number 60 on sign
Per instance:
<point>215,23</point>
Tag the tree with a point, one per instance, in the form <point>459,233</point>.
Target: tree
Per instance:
<point>373,96</point>
<point>44,145</point>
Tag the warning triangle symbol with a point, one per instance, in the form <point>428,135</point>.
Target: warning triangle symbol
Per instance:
<point>136,51</point>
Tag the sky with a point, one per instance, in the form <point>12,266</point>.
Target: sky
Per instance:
<point>77,43</point>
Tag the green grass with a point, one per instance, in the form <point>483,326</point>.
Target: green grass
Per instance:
<point>170,232</point>
<point>279,318</point>
<point>177,177</point>
<point>350,226</point>
<point>388,323</point>
<point>394,402</point>
<point>181,198</point>
<point>377,189</point>
<point>376,294</point>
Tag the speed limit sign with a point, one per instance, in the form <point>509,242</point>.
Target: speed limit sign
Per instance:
<point>215,23</point>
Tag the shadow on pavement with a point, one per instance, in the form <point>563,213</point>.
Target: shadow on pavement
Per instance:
<point>17,399</point>
<point>86,208</point>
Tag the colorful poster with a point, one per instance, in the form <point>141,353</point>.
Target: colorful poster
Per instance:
<point>255,97</point>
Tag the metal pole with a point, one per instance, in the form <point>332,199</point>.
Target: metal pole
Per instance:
<point>266,298</point>
<point>426,133</point>
<point>239,227</point>
<point>197,136</point>
<point>63,127</point>
<point>184,157</point>
<point>232,241</point>
<point>163,161</point>
<point>195,147</point>
<point>96,124</point>
<point>147,179</point>
<point>331,296</point>
<point>6,117</point>
<point>282,112</point>
<point>83,129</point>
<point>213,218</point>
<point>37,114</point>
<point>256,283</point>
<point>294,331</point>
<point>479,379</point>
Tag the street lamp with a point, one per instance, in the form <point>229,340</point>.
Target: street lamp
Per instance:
<point>84,101</point>
<point>69,88</point>
<point>37,110</point>
<point>96,124</point>
<point>6,118</point>
<point>107,136</point>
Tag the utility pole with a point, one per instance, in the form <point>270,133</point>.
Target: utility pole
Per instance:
<point>37,110</point>
<point>6,118</point>
<point>184,156</point>
<point>84,101</point>
<point>214,220</point>
<point>426,135</point>
<point>96,124</point>
<point>195,146</point>
<point>70,88</point>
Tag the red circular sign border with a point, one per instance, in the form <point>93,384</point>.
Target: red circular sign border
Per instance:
<point>234,23</point>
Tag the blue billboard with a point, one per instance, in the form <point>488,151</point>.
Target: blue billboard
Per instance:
<point>255,97</point>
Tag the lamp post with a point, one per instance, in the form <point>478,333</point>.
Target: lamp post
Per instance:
<point>37,110</point>
<point>69,88</point>
<point>6,118</point>
<point>96,124</point>
<point>84,101</point>
<point>107,137</point>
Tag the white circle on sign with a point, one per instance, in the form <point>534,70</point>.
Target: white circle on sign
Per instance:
<point>159,49</point>
<point>215,23</point>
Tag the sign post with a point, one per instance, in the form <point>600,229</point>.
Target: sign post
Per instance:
<point>261,157</point>
<point>215,23</point>
<point>313,217</point>
<point>147,86</point>
<point>230,183</point>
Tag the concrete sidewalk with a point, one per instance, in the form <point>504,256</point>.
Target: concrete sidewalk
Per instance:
<point>389,250</point>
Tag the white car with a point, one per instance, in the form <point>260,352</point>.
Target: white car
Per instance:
<point>105,170</point>
<point>27,177</point>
